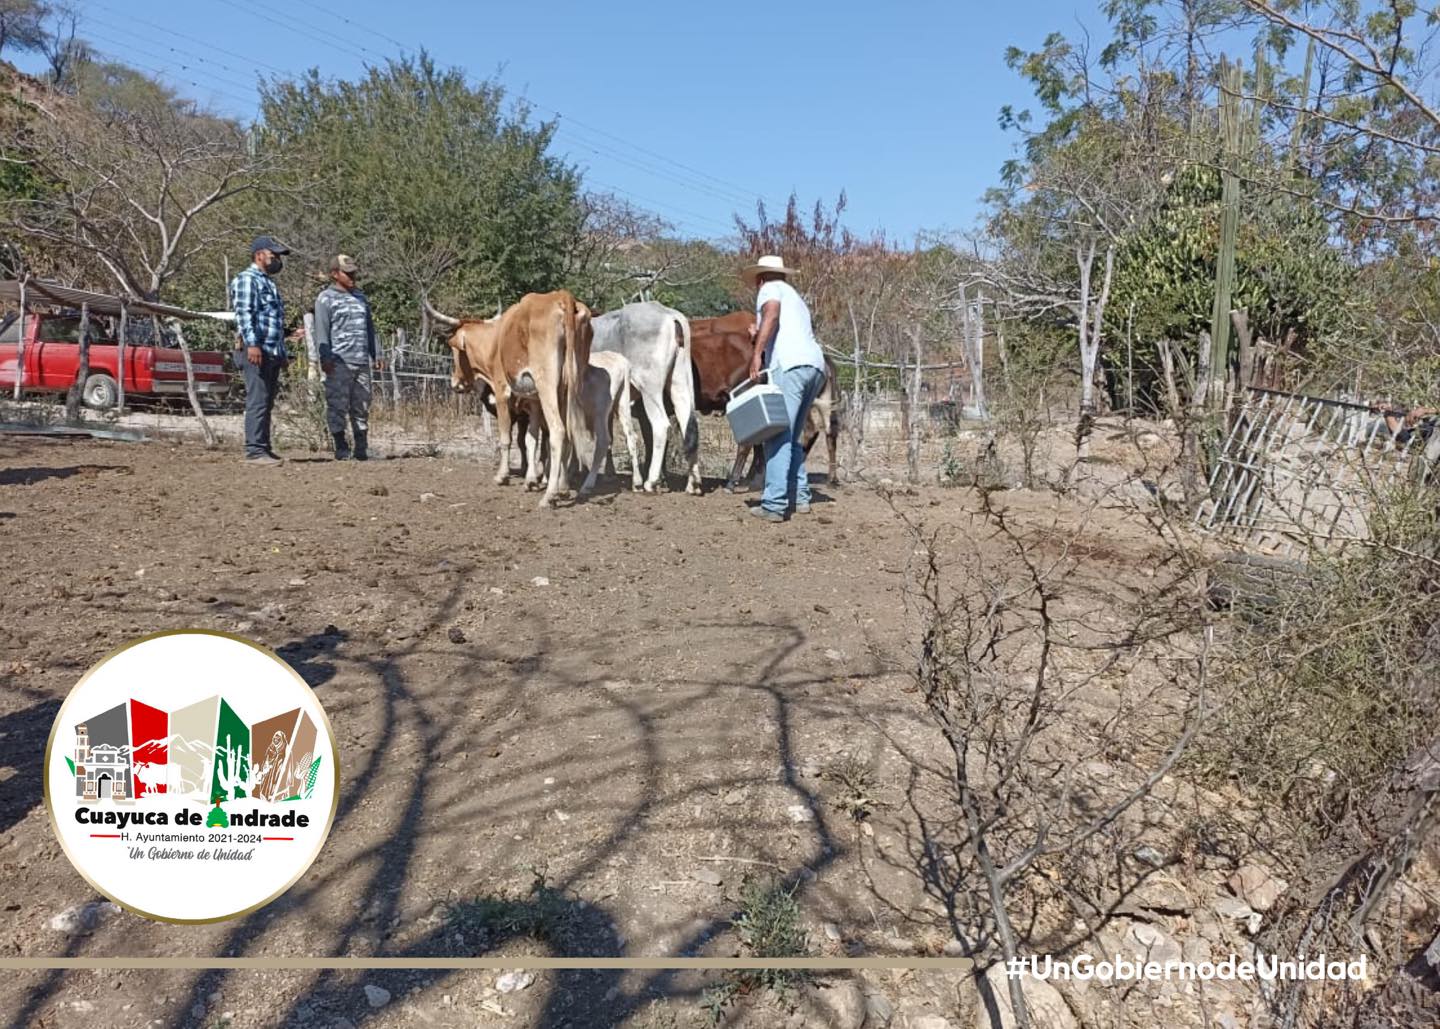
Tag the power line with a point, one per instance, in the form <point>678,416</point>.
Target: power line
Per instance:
<point>657,173</point>
<point>749,194</point>
<point>330,12</point>
<point>567,131</point>
<point>204,43</point>
<point>344,46</point>
<point>252,12</point>
<point>162,73</point>
<point>131,48</point>
<point>648,201</point>
<point>731,194</point>
<point>174,50</point>
<point>693,215</point>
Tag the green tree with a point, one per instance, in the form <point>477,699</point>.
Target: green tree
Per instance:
<point>1127,151</point>
<point>1293,284</point>
<point>701,281</point>
<point>429,181</point>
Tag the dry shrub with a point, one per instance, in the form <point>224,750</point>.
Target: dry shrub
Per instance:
<point>1063,700</point>
<point>1326,689</point>
<point>1031,381</point>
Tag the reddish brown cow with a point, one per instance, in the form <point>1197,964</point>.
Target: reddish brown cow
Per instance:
<point>720,355</point>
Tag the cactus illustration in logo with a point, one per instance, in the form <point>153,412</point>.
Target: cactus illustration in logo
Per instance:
<point>310,779</point>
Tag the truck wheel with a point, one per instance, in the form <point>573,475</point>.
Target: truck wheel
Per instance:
<point>100,392</point>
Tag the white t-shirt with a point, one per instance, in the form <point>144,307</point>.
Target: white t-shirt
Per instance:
<point>794,343</point>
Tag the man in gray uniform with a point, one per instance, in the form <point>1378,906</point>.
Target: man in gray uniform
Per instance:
<point>345,337</point>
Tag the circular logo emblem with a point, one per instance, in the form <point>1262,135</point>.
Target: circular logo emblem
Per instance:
<point>191,776</point>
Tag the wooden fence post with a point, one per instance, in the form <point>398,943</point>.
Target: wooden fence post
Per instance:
<point>1240,321</point>
<point>856,420</point>
<point>977,360</point>
<point>190,382</point>
<point>396,349</point>
<point>1130,363</point>
<point>120,357</point>
<point>20,350</point>
<point>77,388</point>
<point>912,441</point>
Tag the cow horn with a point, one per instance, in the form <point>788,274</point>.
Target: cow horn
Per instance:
<point>443,319</point>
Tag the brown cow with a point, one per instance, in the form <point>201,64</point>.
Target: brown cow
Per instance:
<point>464,380</point>
<point>533,354</point>
<point>720,354</point>
<point>605,383</point>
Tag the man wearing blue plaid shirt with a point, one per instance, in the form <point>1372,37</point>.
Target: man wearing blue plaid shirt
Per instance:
<point>260,324</point>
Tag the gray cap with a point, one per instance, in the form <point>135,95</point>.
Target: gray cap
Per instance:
<point>268,243</point>
<point>344,263</point>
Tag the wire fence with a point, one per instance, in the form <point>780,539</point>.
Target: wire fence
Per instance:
<point>412,372</point>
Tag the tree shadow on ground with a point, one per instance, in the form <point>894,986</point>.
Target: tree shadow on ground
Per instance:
<point>314,656</point>
<point>30,476</point>
<point>22,748</point>
<point>402,769</point>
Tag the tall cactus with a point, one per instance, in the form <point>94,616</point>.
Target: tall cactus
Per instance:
<point>1297,133</point>
<point>1231,133</point>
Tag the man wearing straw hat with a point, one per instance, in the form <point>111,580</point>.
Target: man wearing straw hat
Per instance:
<point>785,347</point>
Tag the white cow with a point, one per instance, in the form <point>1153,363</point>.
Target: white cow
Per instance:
<point>606,391</point>
<point>655,339</point>
<point>605,382</point>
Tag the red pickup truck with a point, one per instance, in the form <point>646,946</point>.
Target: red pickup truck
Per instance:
<point>52,362</point>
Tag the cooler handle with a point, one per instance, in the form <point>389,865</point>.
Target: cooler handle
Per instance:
<point>746,384</point>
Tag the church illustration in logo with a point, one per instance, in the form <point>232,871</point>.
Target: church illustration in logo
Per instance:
<point>203,752</point>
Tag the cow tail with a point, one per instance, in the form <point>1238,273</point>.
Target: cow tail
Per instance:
<point>570,370</point>
<point>682,376</point>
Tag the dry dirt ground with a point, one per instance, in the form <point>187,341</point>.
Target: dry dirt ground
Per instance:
<point>629,697</point>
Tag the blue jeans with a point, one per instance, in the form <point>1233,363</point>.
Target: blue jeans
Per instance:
<point>786,485</point>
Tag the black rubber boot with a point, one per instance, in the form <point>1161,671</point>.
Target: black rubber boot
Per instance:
<point>362,438</point>
<point>342,448</point>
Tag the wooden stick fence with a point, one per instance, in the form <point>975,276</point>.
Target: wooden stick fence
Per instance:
<point>1299,471</point>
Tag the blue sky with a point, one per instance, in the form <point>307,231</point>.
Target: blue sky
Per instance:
<point>691,110</point>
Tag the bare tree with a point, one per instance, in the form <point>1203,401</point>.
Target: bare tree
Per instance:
<point>819,247</point>
<point>62,46</point>
<point>22,25</point>
<point>609,254</point>
<point>139,191</point>
<point>1090,322</point>
<point>871,287</point>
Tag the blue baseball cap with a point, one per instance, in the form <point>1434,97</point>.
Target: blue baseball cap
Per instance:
<point>268,243</point>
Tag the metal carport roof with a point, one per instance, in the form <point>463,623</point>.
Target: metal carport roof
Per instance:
<point>102,303</point>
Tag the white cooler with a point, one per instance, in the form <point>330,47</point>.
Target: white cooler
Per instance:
<point>756,412</point>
